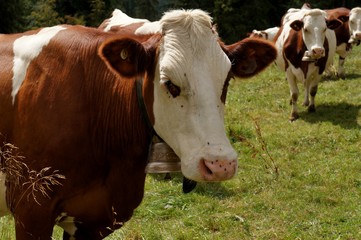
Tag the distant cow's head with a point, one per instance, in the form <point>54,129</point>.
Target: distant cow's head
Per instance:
<point>187,70</point>
<point>313,24</point>
<point>355,25</point>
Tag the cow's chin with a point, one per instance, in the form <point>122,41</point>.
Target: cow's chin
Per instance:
<point>191,172</point>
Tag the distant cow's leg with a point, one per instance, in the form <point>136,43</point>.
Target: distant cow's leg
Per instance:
<point>340,71</point>
<point>343,50</point>
<point>294,95</point>
<point>313,92</point>
<point>306,101</point>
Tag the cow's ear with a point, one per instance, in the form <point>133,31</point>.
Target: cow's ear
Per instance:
<point>125,56</point>
<point>333,24</point>
<point>296,25</point>
<point>250,56</point>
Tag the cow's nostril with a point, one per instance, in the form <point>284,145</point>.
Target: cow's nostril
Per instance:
<point>208,170</point>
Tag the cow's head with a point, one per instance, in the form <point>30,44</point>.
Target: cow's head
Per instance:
<point>187,70</point>
<point>313,24</point>
<point>355,25</point>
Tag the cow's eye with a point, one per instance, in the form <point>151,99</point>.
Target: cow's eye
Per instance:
<point>173,89</point>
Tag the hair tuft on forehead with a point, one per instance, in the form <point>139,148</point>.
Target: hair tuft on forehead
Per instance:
<point>191,20</point>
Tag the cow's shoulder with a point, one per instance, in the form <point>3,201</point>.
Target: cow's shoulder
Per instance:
<point>294,47</point>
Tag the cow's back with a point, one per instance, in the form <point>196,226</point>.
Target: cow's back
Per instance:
<point>6,64</point>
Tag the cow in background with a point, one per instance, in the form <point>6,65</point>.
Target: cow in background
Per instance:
<point>355,25</point>
<point>85,102</point>
<point>122,22</point>
<point>268,34</point>
<point>306,46</point>
<point>347,35</point>
<point>342,36</point>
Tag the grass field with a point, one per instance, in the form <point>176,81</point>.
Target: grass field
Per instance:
<point>299,180</point>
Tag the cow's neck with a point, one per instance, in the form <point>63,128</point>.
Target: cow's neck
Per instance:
<point>116,120</point>
<point>121,137</point>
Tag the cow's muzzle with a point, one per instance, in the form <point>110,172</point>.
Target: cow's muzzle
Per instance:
<point>217,170</point>
<point>313,55</point>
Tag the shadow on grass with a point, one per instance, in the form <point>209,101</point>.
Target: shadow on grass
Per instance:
<point>342,114</point>
<point>213,189</point>
<point>334,77</point>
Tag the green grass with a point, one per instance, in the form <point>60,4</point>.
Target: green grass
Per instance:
<point>304,182</point>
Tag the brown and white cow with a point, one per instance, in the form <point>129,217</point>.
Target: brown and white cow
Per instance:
<point>68,100</point>
<point>355,25</point>
<point>347,34</point>
<point>306,47</point>
<point>268,34</point>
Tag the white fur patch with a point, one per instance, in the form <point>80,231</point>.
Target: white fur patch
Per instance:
<point>191,58</point>
<point>149,28</point>
<point>121,19</point>
<point>3,207</point>
<point>27,48</point>
<point>67,223</point>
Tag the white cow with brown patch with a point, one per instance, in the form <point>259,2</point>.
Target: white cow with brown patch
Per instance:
<point>306,46</point>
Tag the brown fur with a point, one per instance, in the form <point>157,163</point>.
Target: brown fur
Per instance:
<point>59,122</point>
<point>342,32</point>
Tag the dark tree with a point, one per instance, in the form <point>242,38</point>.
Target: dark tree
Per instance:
<point>234,18</point>
<point>12,15</point>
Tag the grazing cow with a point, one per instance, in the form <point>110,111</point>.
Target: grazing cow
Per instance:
<point>268,34</point>
<point>68,101</point>
<point>306,47</point>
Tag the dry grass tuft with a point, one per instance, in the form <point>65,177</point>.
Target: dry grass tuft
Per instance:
<point>19,175</point>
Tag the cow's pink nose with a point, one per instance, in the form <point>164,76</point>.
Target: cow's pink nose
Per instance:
<point>218,170</point>
<point>318,52</point>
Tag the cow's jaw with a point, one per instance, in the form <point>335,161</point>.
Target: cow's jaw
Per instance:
<point>192,123</point>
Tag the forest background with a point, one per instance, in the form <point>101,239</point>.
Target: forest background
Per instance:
<point>234,18</point>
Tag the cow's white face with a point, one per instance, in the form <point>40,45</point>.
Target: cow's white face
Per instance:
<point>355,25</point>
<point>188,110</point>
<point>313,33</point>
<point>315,27</point>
